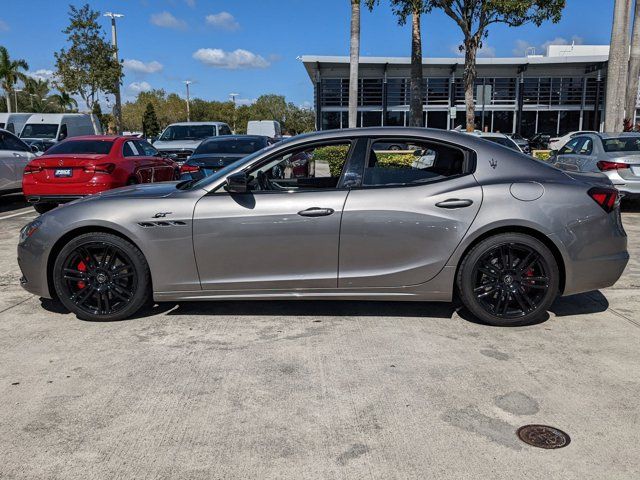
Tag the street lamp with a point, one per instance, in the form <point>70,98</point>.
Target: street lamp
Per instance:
<point>187,83</point>
<point>233,99</point>
<point>117,110</point>
<point>15,97</point>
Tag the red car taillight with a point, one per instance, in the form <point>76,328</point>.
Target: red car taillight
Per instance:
<point>603,165</point>
<point>32,169</point>
<point>189,168</point>
<point>101,168</point>
<point>605,197</point>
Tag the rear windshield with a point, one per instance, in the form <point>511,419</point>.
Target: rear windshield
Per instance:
<point>505,142</point>
<point>621,144</point>
<point>239,146</point>
<point>187,132</point>
<point>40,130</point>
<point>99,147</point>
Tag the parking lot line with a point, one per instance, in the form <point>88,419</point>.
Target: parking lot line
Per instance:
<point>18,213</point>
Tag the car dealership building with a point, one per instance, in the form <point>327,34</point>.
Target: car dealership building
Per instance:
<point>555,93</point>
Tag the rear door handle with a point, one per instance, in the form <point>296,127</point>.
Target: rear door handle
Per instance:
<point>455,203</point>
<point>316,212</point>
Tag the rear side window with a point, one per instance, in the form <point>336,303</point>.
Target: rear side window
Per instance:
<point>130,150</point>
<point>224,130</point>
<point>9,142</point>
<point>95,147</point>
<point>420,162</point>
<point>621,144</point>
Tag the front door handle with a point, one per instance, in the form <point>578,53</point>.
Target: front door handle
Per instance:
<point>455,203</point>
<point>316,212</point>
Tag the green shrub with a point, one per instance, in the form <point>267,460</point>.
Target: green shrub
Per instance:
<point>543,155</point>
<point>335,156</point>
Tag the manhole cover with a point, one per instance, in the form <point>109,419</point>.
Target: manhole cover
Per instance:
<point>543,436</point>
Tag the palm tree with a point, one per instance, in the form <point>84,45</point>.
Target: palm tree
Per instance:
<point>10,73</point>
<point>354,58</point>
<point>37,90</point>
<point>63,101</point>
<point>618,67</point>
<point>634,67</point>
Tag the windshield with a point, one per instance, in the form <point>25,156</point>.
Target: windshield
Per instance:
<point>223,172</point>
<point>187,132</point>
<point>99,147</point>
<point>235,146</point>
<point>621,144</point>
<point>40,130</point>
<point>505,142</point>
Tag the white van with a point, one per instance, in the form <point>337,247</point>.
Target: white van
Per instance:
<point>13,122</point>
<point>266,128</point>
<point>58,126</point>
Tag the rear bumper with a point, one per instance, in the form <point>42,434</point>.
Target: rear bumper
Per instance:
<point>52,198</point>
<point>44,193</point>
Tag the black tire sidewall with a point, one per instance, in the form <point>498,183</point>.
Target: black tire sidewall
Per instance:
<point>465,280</point>
<point>143,289</point>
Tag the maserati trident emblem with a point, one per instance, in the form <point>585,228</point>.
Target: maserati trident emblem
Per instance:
<point>494,163</point>
<point>162,214</point>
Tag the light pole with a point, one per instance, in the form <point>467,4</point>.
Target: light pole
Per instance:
<point>15,97</point>
<point>187,83</point>
<point>117,110</point>
<point>233,99</point>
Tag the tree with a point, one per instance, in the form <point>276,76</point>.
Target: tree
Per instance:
<point>63,101</point>
<point>354,59</point>
<point>36,91</point>
<point>634,67</point>
<point>150,125</point>
<point>617,68</point>
<point>10,73</point>
<point>475,16</point>
<point>403,9</point>
<point>87,67</point>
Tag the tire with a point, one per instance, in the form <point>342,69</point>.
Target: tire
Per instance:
<point>101,277</point>
<point>132,181</point>
<point>44,207</point>
<point>510,279</point>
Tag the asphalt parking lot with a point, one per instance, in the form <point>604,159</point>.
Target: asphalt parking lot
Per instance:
<point>315,389</point>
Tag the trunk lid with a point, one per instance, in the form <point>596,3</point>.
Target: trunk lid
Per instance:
<point>67,168</point>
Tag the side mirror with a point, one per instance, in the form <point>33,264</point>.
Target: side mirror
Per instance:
<point>35,149</point>
<point>237,183</point>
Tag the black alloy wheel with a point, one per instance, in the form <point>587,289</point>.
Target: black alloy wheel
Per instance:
<point>509,279</point>
<point>100,276</point>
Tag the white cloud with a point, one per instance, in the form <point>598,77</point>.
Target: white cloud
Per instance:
<point>523,47</point>
<point>223,20</point>
<point>485,51</point>
<point>42,74</point>
<point>166,20</point>
<point>216,57</point>
<point>4,26</point>
<point>141,67</point>
<point>138,87</point>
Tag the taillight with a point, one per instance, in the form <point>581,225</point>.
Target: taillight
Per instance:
<point>189,168</point>
<point>603,165</point>
<point>32,169</point>
<point>107,168</point>
<point>605,197</point>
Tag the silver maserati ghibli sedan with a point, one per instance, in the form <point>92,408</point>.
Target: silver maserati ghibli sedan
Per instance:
<point>449,215</point>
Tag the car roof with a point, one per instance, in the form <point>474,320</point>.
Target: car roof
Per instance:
<point>222,138</point>
<point>196,123</point>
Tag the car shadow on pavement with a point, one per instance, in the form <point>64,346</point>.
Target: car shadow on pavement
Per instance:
<point>11,202</point>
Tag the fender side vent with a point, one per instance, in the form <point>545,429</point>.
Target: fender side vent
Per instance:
<point>170,223</point>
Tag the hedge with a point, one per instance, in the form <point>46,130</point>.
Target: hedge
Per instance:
<point>335,156</point>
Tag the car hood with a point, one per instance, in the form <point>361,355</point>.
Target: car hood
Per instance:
<point>147,190</point>
<point>177,144</point>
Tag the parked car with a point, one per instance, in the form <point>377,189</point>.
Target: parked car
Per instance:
<point>39,146</point>
<point>522,142</point>
<point>540,141</point>
<point>395,146</point>
<point>505,232</point>
<point>500,139</point>
<point>556,143</point>
<point>216,153</point>
<point>181,139</point>
<point>267,128</point>
<point>616,155</point>
<point>14,156</point>
<point>82,166</point>
<point>56,127</point>
<point>13,122</point>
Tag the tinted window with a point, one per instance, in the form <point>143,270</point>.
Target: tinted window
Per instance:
<point>146,148</point>
<point>40,130</point>
<point>423,162</point>
<point>239,146</point>
<point>130,150</point>
<point>505,142</point>
<point>188,132</point>
<point>570,147</point>
<point>621,144</point>
<point>10,142</point>
<point>96,147</point>
<point>587,147</point>
<point>224,130</point>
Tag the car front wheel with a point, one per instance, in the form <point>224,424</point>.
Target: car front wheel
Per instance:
<point>509,279</point>
<point>100,276</point>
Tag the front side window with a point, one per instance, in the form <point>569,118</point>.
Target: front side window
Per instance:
<point>40,130</point>
<point>146,149</point>
<point>308,168</point>
<point>420,162</point>
<point>224,130</point>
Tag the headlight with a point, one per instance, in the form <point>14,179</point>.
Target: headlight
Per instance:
<point>28,230</point>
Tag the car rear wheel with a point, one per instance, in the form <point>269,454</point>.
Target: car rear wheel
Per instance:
<point>100,276</point>
<point>44,207</point>
<point>508,279</point>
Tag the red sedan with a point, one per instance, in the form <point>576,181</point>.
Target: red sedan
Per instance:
<point>81,166</point>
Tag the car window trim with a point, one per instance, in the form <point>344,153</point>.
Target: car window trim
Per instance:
<point>468,165</point>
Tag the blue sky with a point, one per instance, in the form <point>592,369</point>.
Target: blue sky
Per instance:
<point>250,47</point>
